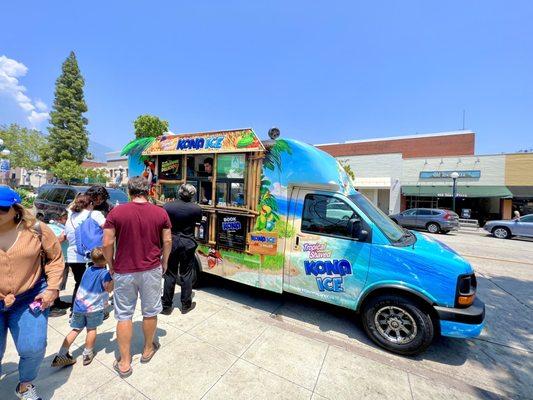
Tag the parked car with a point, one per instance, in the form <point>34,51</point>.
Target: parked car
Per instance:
<point>52,200</point>
<point>506,229</point>
<point>433,219</point>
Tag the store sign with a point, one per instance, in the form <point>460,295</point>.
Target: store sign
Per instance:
<point>263,243</point>
<point>232,231</point>
<point>476,174</point>
<point>214,142</point>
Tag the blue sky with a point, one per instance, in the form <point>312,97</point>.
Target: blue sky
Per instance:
<point>321,71</point>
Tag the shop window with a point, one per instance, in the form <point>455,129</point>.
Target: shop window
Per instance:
<point>327,215</point>
<point>170,168</point>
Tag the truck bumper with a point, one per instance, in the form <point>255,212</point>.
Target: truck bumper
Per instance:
<point>462,322</point>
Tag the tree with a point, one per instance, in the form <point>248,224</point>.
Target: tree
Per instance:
<point>348,169</point>
<point>68,170</point>
<point>26,146</point>
<point>149,126</point>
<point>68,138</point>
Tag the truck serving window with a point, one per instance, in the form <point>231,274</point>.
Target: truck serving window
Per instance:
<point>327,215</point>
<point>230,180</point>
<point>383,222</point>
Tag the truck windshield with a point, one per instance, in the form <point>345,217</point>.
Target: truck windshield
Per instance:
<point>387,226</point>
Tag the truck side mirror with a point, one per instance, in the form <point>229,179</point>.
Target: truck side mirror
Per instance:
<point>355,227</point>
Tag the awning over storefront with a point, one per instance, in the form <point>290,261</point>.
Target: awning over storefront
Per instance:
<point>462,191</point>
<point>522,191</point>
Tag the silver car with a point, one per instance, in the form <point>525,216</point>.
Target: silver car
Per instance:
<point>506,229</point>
<point>433,219</point>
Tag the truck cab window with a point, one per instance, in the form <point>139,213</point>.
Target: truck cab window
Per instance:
<point>327,215</point>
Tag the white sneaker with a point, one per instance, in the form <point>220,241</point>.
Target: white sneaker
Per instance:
<point>29,394</point>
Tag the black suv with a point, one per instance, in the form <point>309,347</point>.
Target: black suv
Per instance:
<point>52,200</point>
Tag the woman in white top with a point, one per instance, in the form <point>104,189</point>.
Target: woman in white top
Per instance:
<point>79,212</point>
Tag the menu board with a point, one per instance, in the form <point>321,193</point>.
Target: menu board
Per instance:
<point>231,231</point>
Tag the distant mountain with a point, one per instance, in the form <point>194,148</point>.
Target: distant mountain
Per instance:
<point>98,150</point>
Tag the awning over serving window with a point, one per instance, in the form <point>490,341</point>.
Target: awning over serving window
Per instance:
<point>462,191</point>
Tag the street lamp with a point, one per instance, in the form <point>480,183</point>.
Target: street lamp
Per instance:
<point>454,175</point>
<point>4,164</point>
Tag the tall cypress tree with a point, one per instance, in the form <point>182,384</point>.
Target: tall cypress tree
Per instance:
<point>68,138</point>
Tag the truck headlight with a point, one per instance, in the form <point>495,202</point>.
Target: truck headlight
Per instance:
<point>466,290</point>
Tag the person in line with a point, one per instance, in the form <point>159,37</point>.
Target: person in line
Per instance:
<point>88,310</point>
<point>58,227</point>
<point>184,215</point>
<point>99,198</point>
<point>207,187</point>
<point>140,233</point>
<point>27,249</point>
<point>82,209</point>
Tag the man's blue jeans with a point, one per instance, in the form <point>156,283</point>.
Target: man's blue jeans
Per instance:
<point>28,332</point>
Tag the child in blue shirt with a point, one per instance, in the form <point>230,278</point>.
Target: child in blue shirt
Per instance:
<point>88,309</point>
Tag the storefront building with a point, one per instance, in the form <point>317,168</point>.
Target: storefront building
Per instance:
<point>378,163</point>
<point>378,178</point>
<point>481,192</point>
<point>519,180</point>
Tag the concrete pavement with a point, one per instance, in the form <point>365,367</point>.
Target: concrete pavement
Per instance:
<point>242,343</point>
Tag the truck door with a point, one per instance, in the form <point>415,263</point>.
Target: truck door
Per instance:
<point>324,260</point>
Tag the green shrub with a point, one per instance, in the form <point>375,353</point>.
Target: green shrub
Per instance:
<point>27,197</point>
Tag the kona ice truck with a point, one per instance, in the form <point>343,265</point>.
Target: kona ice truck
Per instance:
<point>282,215</point>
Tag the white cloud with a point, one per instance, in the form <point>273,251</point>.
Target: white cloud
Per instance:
<point>10,72</point>
<point>37,118</point>
<point>40,105</point>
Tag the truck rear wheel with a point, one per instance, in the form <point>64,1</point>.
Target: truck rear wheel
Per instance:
<point>398,324</point>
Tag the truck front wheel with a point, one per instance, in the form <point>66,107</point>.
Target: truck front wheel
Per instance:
<point>398,324</point>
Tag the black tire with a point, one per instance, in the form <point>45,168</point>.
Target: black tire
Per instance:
<point>501,232</point>
<point>444,232</point>
<point>416,320</point>
<point>433,227</point>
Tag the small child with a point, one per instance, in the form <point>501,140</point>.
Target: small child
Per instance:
<point>88,309</point>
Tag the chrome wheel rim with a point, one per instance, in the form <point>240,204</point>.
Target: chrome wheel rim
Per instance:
<point>432,228</point>
<point>395,324</point>
<point>500,233</point>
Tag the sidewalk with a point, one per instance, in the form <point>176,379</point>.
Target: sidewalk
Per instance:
<point>242,344</point>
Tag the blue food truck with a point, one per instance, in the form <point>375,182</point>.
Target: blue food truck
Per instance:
<point>283,215</point>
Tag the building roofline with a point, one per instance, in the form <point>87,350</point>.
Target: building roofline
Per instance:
<point>423,135</point>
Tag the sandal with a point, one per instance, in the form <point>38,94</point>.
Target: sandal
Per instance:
<point>145,360</point>
<point>122,374</point>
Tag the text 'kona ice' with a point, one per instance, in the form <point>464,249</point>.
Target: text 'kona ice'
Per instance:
<point>283,215</point>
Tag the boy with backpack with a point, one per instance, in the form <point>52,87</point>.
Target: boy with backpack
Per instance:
<point>88,309</point>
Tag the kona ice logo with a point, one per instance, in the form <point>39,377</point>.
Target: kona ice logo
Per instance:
<point>200,143</point>
<point>231,224</point>
<point>329,274</point>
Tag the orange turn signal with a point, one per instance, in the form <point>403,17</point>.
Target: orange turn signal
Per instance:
<point>465,300</point>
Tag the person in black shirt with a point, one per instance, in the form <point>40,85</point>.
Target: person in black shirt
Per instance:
<point>183,215</point>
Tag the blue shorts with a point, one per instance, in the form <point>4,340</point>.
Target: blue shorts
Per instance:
<point>89,320</point>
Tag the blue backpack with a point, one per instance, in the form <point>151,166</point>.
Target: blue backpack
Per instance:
<point>88,236</point>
